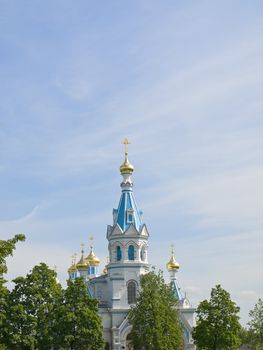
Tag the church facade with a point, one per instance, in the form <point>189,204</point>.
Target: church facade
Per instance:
<point>117,286</point>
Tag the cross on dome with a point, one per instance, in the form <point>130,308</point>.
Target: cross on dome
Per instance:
<point>126,142</point>
<point>172,264</point>
<point>126,167</point>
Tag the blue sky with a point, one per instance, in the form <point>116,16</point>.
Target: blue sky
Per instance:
<point>183,81</point>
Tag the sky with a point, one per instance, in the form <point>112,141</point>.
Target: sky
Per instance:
<point>183,80</point>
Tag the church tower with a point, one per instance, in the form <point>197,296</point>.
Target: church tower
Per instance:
<point>186,311</point>
<point>117,286</point>
<point>127,243</point>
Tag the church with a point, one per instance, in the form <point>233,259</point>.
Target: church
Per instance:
<point>117,286</point>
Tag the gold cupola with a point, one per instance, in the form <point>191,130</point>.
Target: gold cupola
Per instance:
<point>73,267</point>
<point>82,264</point>
<point>92,259</point>
<point>105,270</point>
<point>126,167</point>
<point>172,264</point>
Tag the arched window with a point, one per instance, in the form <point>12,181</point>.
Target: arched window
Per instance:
<point>118,253</point>
<point>143,254</point>
<point>131,291</point>
<point>131,252</point>
<point>130,216</point>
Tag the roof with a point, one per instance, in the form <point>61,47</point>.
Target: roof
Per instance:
<point>127,205</point>
<point>176,290</point>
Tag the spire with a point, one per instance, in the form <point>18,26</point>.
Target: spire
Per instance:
<point>105,270</point>
<point>126,167</point>
<point>127,213</point>
<point>172,264</point>
<point>73,267</point>
<point>56,271</point>
<point>82,264</point>
<point>173,267</point>
<point>92,259</point>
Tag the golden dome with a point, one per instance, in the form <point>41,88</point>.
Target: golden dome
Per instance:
<point>73,267</point>
<point>82,264</point>
<point>92,259</point>
<point>126,167</point>
<point>105,270</point>
<point>172,263</point>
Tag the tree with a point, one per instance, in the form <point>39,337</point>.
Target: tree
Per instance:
<point>78,325</point>
<point>6,249</point>
<point>218,325</point>
<point>30,309</point>
<point>256,324</point>
<point>154,318</point>
<point>246,338</point>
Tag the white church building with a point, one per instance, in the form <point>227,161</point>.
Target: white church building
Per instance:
<point>117,286</point>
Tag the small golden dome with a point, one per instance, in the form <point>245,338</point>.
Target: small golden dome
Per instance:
<point>73,267</point>
<point>82,264</point>
<point>105,270</point>
<point>172,263</point>
<point>126,167</point>
<point>92,259</point>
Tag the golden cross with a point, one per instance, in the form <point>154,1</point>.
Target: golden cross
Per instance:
<point>172,249</point>
<point>74,258</point>
<point>126,142</point>
<point>82,247</point>
<point>91,240</point>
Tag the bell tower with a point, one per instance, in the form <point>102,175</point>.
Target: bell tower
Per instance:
<point>127,242</point>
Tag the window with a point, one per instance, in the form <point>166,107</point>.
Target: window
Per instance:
<point>131,291</point>
<point>131,252</point>
<point>91,270</point>
<point>119,255</point>
<point>143,254</point>
<point>130,216</point>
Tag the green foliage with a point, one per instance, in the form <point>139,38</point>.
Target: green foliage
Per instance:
<point>6,249</point>
<point>245,336</point>
<point>38,315</point>
<point>256,325</point>
<point>78,325</point>
<point>43,316</point>
<point>30,309</point>
<point>154,318</point>
<point>218,325</point>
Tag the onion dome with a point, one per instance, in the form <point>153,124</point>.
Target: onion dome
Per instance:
<point>92,259</point>
<point>73,267</point>
<point>55,270</point>
<point>126,167</point>
<point>105,270</point>
<point>82,264</point>
<point>172,263</point>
